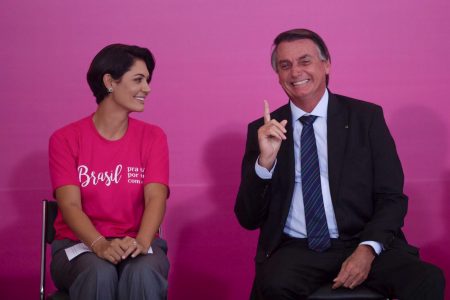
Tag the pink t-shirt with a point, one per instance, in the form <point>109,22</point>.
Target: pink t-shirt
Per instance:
<point>111,174</point>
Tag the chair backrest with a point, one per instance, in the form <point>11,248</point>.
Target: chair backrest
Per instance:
<point>49,213</point>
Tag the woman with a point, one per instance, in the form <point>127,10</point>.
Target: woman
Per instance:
<point>110,178</point>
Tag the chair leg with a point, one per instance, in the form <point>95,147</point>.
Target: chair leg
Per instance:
<point>43,249</point>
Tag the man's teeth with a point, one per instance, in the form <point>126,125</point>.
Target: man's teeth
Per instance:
<point>140,98</point>
<point>300,82</point>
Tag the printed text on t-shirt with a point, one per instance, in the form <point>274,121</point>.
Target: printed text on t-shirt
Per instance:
<point>86,177</point>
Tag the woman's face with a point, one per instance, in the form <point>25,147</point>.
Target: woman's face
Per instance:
<point>130,91</point>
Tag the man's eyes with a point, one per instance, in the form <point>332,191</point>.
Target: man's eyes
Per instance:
<point>305,62</point>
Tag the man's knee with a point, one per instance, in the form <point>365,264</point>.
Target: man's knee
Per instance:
<point>434,281</point>
<point>273,289</point>
<point>277,288</point>
<point>430,285</point>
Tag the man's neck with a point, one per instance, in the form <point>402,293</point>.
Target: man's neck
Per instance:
<point>308,104</point>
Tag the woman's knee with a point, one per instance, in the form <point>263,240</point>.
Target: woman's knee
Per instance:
<point>98,278</point>
<point>148,265</point>
<point>101,272</point>
<point>104,270</point>
<point>141,280</point>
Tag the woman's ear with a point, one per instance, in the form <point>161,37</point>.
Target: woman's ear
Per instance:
<point>107,82</point>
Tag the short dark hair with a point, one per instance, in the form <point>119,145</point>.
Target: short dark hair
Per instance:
<point>115,59</point>
<point>300,34</point>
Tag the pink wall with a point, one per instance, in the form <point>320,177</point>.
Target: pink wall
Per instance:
<point>212,74</point>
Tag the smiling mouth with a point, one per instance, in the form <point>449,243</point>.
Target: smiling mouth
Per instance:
<point>141,99</point>
<point>301,82</point>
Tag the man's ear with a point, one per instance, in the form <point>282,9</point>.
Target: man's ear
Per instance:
<point>327,67</point>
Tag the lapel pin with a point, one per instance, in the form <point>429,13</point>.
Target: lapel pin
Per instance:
<point>346,126</point>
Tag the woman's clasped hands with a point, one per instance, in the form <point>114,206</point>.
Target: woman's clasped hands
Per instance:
<point>118,249</point>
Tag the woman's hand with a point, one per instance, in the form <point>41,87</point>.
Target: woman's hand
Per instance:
<point>110,250</point>
<point>133,247</point>
<point>118,249</point>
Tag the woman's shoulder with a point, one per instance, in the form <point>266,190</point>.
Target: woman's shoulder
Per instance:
<point>72,129</point>
<point>147,128</point>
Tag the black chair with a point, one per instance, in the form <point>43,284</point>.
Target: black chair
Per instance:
<point>325,292</point>
<point>49,212</point>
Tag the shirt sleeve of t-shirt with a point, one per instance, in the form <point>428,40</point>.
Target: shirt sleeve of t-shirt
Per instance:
<point>62,161</point>
<point>157,168</point>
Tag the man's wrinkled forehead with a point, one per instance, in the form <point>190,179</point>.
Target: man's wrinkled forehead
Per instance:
<point>297,50</point>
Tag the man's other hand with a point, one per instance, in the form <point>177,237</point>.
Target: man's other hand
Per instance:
<point>355,268</point>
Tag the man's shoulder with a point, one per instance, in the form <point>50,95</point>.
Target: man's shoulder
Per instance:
<point>352,103</point>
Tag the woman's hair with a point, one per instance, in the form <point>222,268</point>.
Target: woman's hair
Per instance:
<point>116,60</point>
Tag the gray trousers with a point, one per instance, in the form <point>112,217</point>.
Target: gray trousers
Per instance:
<point>88,277</point>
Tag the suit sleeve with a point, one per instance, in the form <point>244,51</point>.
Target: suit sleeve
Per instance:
<point>253,195</point>
<point>390,204</point>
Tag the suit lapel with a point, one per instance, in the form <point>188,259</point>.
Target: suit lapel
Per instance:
<point>286,161</point>
<point>337,132</point>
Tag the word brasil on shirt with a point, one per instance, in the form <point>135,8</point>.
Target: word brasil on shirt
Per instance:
<point>135,175</point>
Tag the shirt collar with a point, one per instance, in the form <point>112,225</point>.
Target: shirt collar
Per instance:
<point>320,110</point>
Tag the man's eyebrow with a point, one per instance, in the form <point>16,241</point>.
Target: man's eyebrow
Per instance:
<point>298,59</point>
<point>284,61</point>
<point>304,56</point>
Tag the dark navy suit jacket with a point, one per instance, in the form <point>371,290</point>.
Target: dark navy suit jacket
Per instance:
<point>365,177</point>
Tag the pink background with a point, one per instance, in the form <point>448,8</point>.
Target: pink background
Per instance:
<point>211,77</point>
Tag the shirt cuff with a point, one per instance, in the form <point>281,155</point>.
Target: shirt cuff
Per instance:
<point>262,172</point>
<point>377,247</point>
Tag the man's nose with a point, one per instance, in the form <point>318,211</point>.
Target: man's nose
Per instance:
<point>296,70</point>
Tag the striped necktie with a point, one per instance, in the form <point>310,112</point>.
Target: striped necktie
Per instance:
<point>316,222</point>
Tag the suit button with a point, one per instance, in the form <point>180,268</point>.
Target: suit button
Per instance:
<point>267,254</point>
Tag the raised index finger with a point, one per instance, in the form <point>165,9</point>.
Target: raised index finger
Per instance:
<point>266,112</point>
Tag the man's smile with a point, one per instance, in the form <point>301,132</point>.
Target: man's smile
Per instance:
<point>300,82</point>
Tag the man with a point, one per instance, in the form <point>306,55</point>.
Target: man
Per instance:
<point>322,181</point>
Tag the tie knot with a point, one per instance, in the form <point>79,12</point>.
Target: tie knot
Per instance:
<point>308,120</point>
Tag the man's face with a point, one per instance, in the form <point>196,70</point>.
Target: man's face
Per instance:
<point>301,71</point>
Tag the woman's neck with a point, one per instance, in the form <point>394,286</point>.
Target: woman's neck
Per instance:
<point>112,125</point>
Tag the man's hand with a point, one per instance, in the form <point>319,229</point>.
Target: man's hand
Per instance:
<point>270,136</point>
<point>355,268</point>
